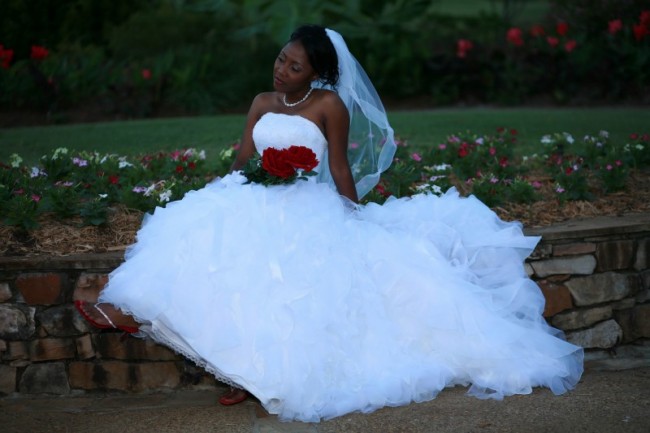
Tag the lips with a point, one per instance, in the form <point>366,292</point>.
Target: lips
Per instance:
<point>277,81</point>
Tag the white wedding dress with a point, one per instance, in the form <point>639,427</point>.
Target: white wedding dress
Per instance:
<point>319,309</point>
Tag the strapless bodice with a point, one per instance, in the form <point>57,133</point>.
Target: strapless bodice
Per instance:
<point>281,131</point>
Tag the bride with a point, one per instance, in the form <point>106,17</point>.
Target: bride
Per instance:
<point>319,306</point>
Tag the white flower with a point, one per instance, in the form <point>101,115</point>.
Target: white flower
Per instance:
<point>546,139</point>
<point>37,172</point>
<point>123,164</point>
<point>202,154</point>
<point>441,167</point>
<point>103,195</point>
<point>59,151</point>
<point>479,140</point>
<point>568,137</point>
<point>639,147</point>
<point>15,160</point>
<point>226,153</point>
<point>524,158</point>
<point>604,134</point>
<point>165,196</point>
<point>150,189</point>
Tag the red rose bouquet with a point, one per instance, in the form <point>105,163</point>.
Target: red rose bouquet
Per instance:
<point>278,166</point>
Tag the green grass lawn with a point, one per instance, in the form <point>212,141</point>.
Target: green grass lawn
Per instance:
<point>419,128</point>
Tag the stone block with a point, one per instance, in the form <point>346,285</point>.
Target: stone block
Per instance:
<point>578,265</point>
<point>16,322</point>
<point>3,346</point>
<point>542,251</point>
<point>604,335</point>
<point>47,349</point>
<point>17,350</point>
<point>49,377</point>
<point>635,322</point>
<point>598,288</point>
<point>123,376</point>
<point>615,255</point>
<point>643,296</point>
<point>62,321</point>
<point>41,288</point>
<point>113,346</point>
<point>558,297</point>
<point>7,379</point>
<point>88,286</point>
<point>5,292</point>
<point>85,347</point>
<point>644,278</point>
<point>574,249</point>
<point>581,318</point>
<point>529,270</point>
<point>642,258</point>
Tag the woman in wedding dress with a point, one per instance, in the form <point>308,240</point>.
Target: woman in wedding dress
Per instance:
<point>319,306</point>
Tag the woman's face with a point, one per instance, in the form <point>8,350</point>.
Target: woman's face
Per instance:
<point>292,71</point>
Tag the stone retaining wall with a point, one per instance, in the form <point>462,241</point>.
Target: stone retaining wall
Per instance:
<point>595,275</point>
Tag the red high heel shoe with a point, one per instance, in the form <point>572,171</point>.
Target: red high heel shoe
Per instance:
<point>79,305</point>
<point>234,396</point>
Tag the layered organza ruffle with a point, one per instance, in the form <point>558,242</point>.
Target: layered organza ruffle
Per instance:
<point>319,309</point>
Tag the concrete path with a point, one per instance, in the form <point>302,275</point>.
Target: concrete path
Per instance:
<point>604,401</point>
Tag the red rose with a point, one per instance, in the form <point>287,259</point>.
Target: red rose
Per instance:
<point>274,161</point>
<point>562,29</point>
<point>615,26</point>
<point>536,31</point>
<point>570,45</point>
<point>514,36</point>
<point>39,53</point>
<point>552,41</point>
<point>301,157</point>
<point>5,57</point>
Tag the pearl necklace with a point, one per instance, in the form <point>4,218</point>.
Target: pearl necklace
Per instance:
<point>293,104</point>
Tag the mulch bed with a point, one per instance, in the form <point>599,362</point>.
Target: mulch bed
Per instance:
<point>61,238</point>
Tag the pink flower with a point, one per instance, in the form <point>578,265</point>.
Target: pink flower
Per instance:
<point>36,198</point>
<point>559,189</point>
<point>615,26</point>
<point>354,145</point>
<point>536,184</point>
<point>609,167</point>
<point>462,47</point>
<point>552,41</point>
<point>562,28</point>
<point>514,37</point>
<point>570,45</point>
<point>634,136</point>
<point>493,151</point>
<point>618,162</point>
<point>442,146</point>
<point>146,74</point>
<point>416,157</point>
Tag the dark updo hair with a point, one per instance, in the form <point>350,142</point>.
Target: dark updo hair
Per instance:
<point>320,52</point>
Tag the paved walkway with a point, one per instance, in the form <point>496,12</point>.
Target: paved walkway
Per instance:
<point>604,401</point>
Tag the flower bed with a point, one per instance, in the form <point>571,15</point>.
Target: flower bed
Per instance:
<point>74,202</point>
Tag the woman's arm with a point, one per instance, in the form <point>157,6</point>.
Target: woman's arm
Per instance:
<point>247,146</point>
<point>337,127</point>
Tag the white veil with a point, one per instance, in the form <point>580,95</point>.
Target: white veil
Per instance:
<point>371,142</point>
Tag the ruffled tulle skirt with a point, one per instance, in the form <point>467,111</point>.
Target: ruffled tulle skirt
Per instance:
<point>320,309</point>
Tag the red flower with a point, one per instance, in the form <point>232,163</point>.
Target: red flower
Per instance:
<point>503,162</point>
<point>570,45</point>
<point>615,26</point>
<point>568,170</point>
<point>514,36</point>
<point>146,74</point>
<point>191,165</point>
<point>513,131</point>
<point>562,28</point>
<point>39,53</point>
<point>463,150</point>
<point>113,179</point>
<point>634,136</point>
<point>462,47</point>
<point>5,57</point>
<point>301,157</point>
<point>274,162</point>
<point>179,168</point>
<point>552,41</point>
<point>640,31</point>
<point>644,18</point>
<point>537,31</point>
<point>381,190</point>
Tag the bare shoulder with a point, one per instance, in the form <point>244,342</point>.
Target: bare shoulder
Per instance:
<point>262,103</point>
